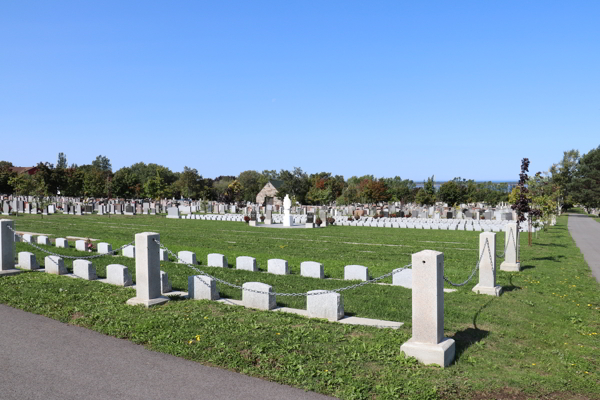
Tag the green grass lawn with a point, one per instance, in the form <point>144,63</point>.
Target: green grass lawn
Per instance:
<point>538,340</point>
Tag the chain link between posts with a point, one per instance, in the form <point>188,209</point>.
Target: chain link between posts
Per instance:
<point>72,257</point>
<point>357,285</point>
<point>507,242</point>
<point>486,244</point>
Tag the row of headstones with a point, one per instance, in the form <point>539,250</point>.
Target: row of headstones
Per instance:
<point>116,274</point>
<point>467,225</point>
<point>82,245</point>
<point>311,269</point>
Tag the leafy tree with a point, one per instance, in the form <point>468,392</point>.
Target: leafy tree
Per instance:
<point>453,192</point>
<point>400,189</point>
<point>62,161</point>
<point>544,195</point>
<point>585,185</point>
<point>156,188</point>
<point>522,204</point>
<point>250,185</point>
<point>95,183</point>
<point>562,176</point>
<point>102,163</point>
<point>126,183</point>
<point>295,183</point>
<point>426,195</point>
<point>5,176</point>
<point>190,184</point>
<point>221,189</point>
<point>23,184</point>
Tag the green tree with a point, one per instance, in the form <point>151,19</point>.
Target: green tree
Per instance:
<point>5,176</point>
<point>400,189</point>
<point>125,183</point>
<point>23,184</point>
<point>102,163</point>
<point>190,184</point>
<point>562,176</point>
<point>295,183</point>
<point>453,192</point>
<point>156,188</point>
<point>585,185</point>
<point>250,185</point>
<point>62,161</point>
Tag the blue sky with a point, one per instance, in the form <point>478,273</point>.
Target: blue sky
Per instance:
<point>349,87</point>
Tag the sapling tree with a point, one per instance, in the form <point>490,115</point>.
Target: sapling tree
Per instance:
<point>522,204</point>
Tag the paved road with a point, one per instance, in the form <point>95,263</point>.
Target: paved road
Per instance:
<point>586,233</point>
<point>44,359</point>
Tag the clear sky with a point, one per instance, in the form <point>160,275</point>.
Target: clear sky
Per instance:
<point>408,88</point>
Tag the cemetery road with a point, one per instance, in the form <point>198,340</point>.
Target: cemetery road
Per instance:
<point>46,359</point>
<point>586,233</point>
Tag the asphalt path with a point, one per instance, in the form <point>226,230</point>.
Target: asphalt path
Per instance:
<point>44,359</point>
<point>586,233</point>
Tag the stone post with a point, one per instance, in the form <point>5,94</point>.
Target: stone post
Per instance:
<point>428,344</point>
<point>7,248</point>
<point>147,271</point>
<point>487,265</point>
<point>511,243</point>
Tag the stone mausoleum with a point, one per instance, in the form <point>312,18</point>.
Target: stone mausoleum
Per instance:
<point>269,194</point>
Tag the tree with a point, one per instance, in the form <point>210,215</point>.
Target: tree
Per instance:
<point>156,188</point>
<point>190,184</point>
<point>23,184</point>
<point>400,189</point>
<point>62,161</point>
<point>295,183</point>
<point>5,176</point>
<point>426,195</point>
<point>102,163</point>
<point>585,185</point>
<point>125,183</point>
<point>562,176</point>
<point>521,206</point>
<point>250,185</point>
<point>544,195</point>
<point>452,192</point>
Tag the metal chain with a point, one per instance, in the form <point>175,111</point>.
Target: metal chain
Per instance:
<point>276,293</point>
<point>476,267</point>
<point>73,257</point>
<point>510,236</point>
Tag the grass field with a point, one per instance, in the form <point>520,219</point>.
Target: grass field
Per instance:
<point>538,340</point>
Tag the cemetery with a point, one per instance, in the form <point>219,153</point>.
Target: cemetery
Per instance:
<point>212,271</point>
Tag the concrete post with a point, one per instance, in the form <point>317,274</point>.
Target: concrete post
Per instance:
<point>487,265</point>
<point>147,271</point>
<point>511,242</point>
<point>428,343</point>
<point>7,248</point>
